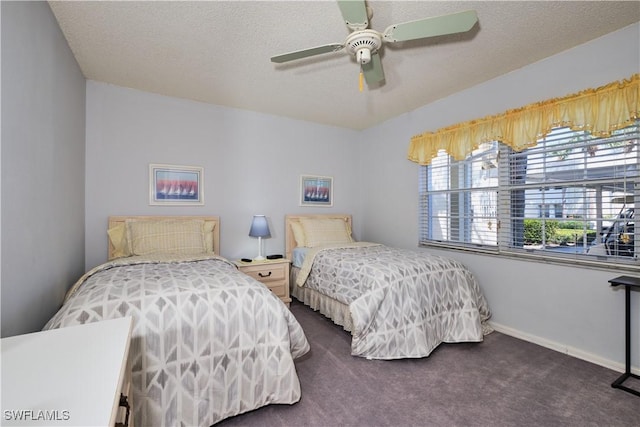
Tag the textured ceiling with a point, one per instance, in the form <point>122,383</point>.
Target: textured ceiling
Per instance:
<point>218,51</point>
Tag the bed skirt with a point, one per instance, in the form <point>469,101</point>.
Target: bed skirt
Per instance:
<point>333,309</point>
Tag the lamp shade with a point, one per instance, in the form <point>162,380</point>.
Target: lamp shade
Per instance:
<point>259,227</point>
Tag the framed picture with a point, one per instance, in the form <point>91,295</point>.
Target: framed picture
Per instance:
<point>316,190</point>
<point>175,185</point>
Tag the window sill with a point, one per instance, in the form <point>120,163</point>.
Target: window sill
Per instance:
<point>632,266</point>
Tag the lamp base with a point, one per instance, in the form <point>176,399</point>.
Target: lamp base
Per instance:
<point>260,257</point>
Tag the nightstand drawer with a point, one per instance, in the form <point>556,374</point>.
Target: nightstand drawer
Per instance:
<point>280,289</point>
<point>266,273</point>
<point>274,274</point>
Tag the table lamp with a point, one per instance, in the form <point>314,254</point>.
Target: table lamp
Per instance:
<point>259,229</point>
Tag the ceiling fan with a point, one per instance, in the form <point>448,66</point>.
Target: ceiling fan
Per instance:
<point>365,43</point>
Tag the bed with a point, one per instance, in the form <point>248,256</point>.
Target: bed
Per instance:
<point>208,341</point>
<point>396,303</point>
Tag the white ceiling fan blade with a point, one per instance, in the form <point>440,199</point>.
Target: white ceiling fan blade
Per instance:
<point>431,27</point>
<point>298,54</point>
<point>354,13</point>
<point>372,71</point>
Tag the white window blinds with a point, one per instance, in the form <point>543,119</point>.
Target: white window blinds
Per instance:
<point>571,197</point>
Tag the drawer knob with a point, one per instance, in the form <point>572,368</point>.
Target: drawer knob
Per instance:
<point>264,275</point>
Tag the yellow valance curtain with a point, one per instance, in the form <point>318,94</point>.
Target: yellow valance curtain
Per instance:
<point>599,111</point>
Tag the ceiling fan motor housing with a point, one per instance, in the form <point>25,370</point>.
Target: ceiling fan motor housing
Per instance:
<point>364,43</point>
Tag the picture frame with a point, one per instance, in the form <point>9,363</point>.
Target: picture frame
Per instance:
<point>175,185</point>
<point>316,190</point>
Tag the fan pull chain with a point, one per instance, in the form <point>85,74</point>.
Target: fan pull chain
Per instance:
<point>361,80</point>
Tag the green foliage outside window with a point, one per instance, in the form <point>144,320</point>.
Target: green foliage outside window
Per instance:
<point>571,232</point>
<point>533,231</point>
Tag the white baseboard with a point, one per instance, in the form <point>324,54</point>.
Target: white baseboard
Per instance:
<point>562,348</point>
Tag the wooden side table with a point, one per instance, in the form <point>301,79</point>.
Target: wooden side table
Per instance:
<point>273,273</point>
<point>628,282</point>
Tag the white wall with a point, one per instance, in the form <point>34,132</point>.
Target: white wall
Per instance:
<point>570,309</point>
<point>252,164</point>
<point>43,110</point>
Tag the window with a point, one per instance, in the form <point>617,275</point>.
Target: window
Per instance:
<point>570,197</point>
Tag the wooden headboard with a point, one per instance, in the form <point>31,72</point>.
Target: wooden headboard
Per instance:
<point>290,241</point>
<point>117,220</point>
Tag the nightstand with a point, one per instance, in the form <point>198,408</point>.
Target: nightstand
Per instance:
<point>273,273</point>
<point>72,376</point>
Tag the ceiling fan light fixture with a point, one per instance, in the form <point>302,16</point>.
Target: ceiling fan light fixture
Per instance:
<point>363,44</point>
<point>363,56</point>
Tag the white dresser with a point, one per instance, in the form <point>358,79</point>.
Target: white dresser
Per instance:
<point>67,377</point>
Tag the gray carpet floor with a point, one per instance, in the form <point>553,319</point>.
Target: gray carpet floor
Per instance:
<point>502,381</point>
